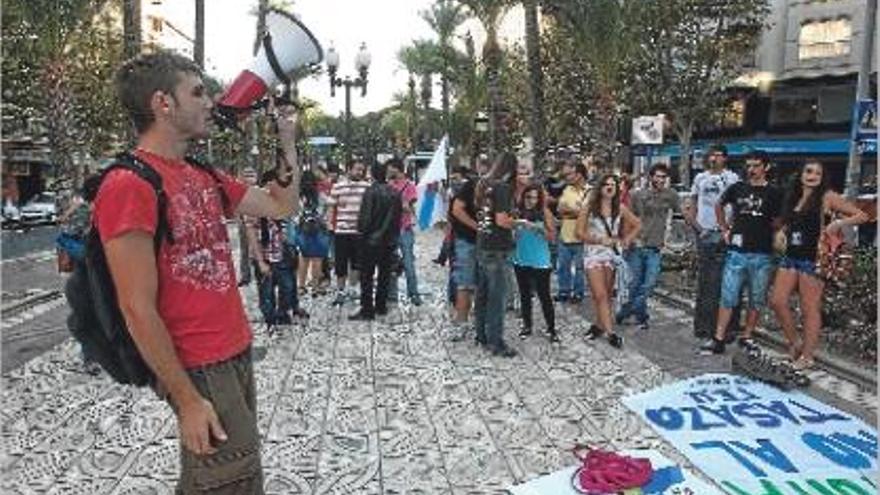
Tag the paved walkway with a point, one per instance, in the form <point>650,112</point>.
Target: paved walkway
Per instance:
<point>386,407</point>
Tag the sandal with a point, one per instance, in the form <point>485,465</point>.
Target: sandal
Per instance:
<point>803,364</point>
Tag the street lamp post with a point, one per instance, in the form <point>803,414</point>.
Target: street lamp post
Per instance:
<point>362,64</point>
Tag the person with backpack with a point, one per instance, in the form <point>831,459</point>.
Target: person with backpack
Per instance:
<point>310,235</point>
<point>159,228</point>
<point>274,263</point>
<point>75,223</point>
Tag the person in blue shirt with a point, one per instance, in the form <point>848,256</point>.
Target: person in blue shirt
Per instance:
<point>531,259</point>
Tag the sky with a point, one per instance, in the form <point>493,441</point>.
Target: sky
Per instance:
<point>384,25</point>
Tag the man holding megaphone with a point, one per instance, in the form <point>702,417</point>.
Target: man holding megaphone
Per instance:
<point>181,303</point>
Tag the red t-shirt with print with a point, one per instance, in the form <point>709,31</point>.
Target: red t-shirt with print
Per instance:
<point>198,296</point>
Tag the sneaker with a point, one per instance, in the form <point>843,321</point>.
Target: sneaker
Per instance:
<point>361,316</point>
<point>554,337</point>
<point>560,298</point>
<point>505,352</point>
<point>594,332</point>
<point>748,344</point>
<point>644,326</point>
<point>458,331</point>
<point>615,340</point>
<point>524,333</point>
<point>300,313</point>
<point>576,300</point>
<point>339,300</point>
<point>92,368</point>
<point>415,301</point>
<point>712,346</point>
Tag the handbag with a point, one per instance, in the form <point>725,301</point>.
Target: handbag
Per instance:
<point>608,472</point>
<point>64,261</point>
<point>835,258</point>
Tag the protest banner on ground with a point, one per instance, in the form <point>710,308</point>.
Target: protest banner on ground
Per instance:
<point>754,439</point>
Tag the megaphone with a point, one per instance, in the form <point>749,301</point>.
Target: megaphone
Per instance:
<point>287,46</point>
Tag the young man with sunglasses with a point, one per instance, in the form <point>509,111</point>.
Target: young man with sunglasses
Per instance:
<point>652,205</point>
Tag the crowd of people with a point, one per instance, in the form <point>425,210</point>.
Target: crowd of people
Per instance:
<point>507,225</point>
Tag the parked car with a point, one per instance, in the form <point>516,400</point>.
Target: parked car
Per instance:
<point>11,215</point>
<point>41,209</point>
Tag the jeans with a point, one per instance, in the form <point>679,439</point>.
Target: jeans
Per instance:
<point>741,267</point>
<point>644,268</point>
<point>373,257</point>
<point>406,242</point>
<point>490,297</point>
<point>535,280</point>
<point>568,254</point>
<point>711,252</point>
<point>235,468</point>
<point>274,309</point>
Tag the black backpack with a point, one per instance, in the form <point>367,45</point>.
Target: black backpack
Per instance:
<point>310,222</point>
<point>103,333</point>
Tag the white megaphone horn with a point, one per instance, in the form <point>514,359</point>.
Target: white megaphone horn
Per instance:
<point>287,46</point>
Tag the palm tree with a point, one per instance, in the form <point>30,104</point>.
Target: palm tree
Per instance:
<point>536,82</point>
<point>422,59</point>
<point>131,27</point>
<point>199,45</point>
<point>444,17</point>
<point>490,13</point>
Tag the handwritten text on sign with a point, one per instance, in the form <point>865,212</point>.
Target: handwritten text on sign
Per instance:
<point>753,439</point>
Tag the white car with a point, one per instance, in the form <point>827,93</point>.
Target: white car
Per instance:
<point>41,209</point>
<point>11,214</point>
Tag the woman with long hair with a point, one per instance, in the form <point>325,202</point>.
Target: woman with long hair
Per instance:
<point>495,220</point>
<point>607,228</point>
<point>807,201</point>
<point>531,259</point>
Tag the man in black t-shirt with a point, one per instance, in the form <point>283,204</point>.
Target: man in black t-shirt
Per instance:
<point>756,208</point>
<point>462,218</point>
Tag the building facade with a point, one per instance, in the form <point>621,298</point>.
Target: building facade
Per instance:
<point>796,98</point>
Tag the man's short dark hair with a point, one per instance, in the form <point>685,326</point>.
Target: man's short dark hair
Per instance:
<point>396,163</point>
<point>462,170</point>
<point>351,164</point>
<point>658,167</point>
<point>717,148</point>
<point>758,156</point>
<point>139,78</point>
<point>378,171</point>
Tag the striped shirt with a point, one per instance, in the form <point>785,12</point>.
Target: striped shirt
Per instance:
<point>347,195</point>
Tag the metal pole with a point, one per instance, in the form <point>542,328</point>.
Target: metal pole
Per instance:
<point>347,123</point>
<point>854,165</point>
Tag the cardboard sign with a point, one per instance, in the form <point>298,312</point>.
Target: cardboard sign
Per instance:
<point>754,439</point>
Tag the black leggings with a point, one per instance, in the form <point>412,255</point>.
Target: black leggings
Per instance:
<point>537,280</point>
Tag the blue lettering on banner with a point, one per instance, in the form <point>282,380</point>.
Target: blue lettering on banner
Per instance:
<point>779,407</point>
<point>723,394</point>
<point>766,452</point>
<point>666,418</point>
<point>819,416</point>
<point>724,413</point>
<point>841,449</point>
<point>697,423</point>
<point>764,420</point>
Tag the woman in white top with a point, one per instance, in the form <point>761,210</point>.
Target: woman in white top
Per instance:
<point>607,229</point>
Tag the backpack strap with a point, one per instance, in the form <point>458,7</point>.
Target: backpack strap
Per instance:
<point>128,161</point>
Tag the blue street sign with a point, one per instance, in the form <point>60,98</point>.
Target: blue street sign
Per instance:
<point>865,122</point>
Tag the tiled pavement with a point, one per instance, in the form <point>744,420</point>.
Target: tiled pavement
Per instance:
<point>386,407</point>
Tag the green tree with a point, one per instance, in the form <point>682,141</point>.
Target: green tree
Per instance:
<point>445,17</point>
<point>689,54</point>
<point>422,59</point>
<point>490,13</point>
